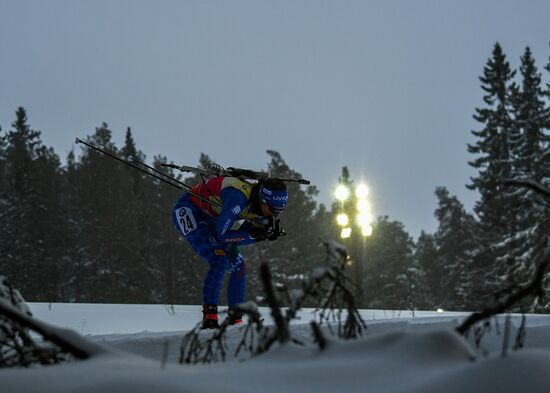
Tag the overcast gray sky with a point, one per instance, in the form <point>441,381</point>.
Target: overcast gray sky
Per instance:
<point>387,88</point>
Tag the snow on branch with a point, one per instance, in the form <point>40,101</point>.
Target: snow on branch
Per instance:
<point>534,288</point>
<point>328,287</point>
<point>19,348</point>
<point>536,186</point>
<point>195,349</point>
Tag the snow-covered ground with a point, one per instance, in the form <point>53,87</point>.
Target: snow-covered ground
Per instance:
<point>400,352</point>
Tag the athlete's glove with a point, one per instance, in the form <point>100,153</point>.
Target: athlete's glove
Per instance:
<point>275,230</point>
<point>259,233</point>
<point>271,231</point>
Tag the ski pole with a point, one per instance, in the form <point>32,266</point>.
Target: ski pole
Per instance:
<point>132,159</point>
<point>77,140</point>
<point>181,186</point>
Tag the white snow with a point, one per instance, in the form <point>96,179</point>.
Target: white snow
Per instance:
<point>399,353</point>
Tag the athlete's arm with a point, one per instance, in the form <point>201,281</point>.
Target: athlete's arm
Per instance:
<point>234,202</point>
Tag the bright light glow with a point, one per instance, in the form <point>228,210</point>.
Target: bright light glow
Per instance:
<point>362,191</point>
<point>363,206</point>
<point>439,310</point>
<point>366,230</point>
<point>341,193</point>
<point>346,232</point>
<point>364,219</point>
<point>349,262</point>
<point>342,219</point>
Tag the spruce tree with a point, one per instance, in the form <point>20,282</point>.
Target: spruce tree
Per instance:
<point>134,190</point>
<point>31,229</point>
<point>3,186</point>
<point>2,157</point>
<point>393,277</point>
<point>529,143</point>
<point>494,165</point>
<point>99,200</point>
<point>427,259</point>
<point>455,241</point>
<point>493,160</point>
<point>77,250</point>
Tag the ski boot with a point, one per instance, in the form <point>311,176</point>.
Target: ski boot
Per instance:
<point>210,316</point>
<point>234,317</point>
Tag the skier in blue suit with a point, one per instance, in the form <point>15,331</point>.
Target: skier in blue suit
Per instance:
<point>231,213</point>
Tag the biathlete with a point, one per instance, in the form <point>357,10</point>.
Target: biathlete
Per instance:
<point>238,213</point>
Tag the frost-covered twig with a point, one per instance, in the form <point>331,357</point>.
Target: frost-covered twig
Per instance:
<point>329,287</point>
<point>281,324</point>
<point>318,335</point>
<point>256,338</point>
<point>520,337</point>
<point>195,349</point>
<point>535,288</point>
<point>18,348</point>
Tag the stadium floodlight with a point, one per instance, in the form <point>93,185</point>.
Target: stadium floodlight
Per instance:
<point>363,206</point>
<point>366,230</point>
<point>341,193</point>
<point>361,191</point>
<point>362,216</point>
<point>346,232</point>
<point>364,219</point>
<point>342,219</point>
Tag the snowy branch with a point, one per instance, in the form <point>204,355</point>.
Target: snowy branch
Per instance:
<point>283,334</point>
<point>67,340</point>
<point>195,349</point>
<point>529,184</point>
<point>535,288</point>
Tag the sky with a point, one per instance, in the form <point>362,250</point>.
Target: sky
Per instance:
<point>386,88</point>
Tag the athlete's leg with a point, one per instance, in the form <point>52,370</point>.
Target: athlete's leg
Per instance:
<point>237,279</point>
<point>196,226</point>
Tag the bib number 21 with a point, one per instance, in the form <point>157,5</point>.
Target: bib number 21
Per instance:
<point>186,221</point>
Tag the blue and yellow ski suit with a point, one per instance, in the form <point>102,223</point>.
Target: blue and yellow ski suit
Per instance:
<point>215,231</point>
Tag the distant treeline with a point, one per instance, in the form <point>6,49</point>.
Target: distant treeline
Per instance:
<point>93,230</point>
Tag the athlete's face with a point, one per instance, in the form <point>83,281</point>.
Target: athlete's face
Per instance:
<point>268,212</point>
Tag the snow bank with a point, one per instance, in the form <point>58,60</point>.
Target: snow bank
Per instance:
<point>401,353</point>
<point>407,361</point>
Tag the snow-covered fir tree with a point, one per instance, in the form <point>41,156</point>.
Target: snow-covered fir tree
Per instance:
<point>529,144</point>
<point>455,241</point>
<point>31,229</point>
<point>426,257</point>
<point>493,162</point>
<point>393,277</point>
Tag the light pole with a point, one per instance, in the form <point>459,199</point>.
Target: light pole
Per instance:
<point>362,217</point>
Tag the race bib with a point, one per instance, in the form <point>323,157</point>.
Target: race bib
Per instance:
<point>186,221</point>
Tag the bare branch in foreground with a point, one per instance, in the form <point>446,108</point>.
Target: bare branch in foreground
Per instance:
<point>535,288</point>
<point>67,340</point>
<point>283,334</point>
